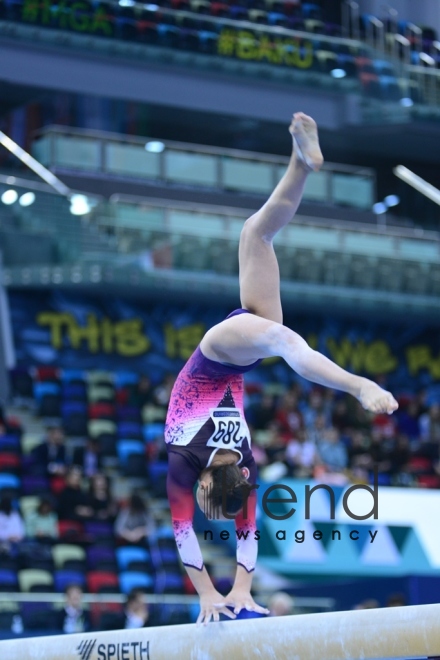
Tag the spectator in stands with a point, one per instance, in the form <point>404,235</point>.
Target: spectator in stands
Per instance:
<point>101,501</point>
<point>73,618</point>
<point>340,416</point>
<point>400,454</point>
<point>367,604</point>
<point>50,456</point>
<point>88,458</point>
<point>42,524</point>
<point>288,416</point>
<point>280,604</point>
<point>162,392</point>
<point>134,523</point>
<point>73,503</point>
<point>314,409</point>
<point>262,412</point>
<point>301,455</point>
<point>136,613</point>
<point>396,600</point>
<point>332,451</point>
<point>12,529</point>
<point>430,425</point>
<point>408,420</point>
<point>359,460</point>
<point>143,393</point>
<point>318,430</point>
<point>275,444</point>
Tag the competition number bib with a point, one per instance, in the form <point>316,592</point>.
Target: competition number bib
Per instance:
<point>230,429</point>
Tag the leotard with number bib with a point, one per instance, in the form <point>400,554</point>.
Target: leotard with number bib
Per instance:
<point>206,414</point>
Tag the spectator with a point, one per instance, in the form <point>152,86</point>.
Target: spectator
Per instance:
<point>317,432</point>
<point>104,508</point>
<point>333,452</point>
<point>42,524</point>
<point>73,503</point>
<point>262,413</point>
<point>340,416</point>
<point>134,522</point>
<point>396,600</point>
<point>136,610</point>
<point>288,416</point>
<point>275,446</point>
<point>430,425</point>
<point>314,409</point>
<point>12,529</point>
<point>400,454</point>
<point>50,456</point>
<point>367,604</point>
<point>73,618</point>
<point>142,394</point>
<point>280,604</point>
<point>408,420</point>
<point>88,458</point>
<point>162,393</point>
<point>135,614</point>
<point>301,455</point>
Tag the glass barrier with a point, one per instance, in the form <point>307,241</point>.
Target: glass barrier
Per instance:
<point>130,240</point>
<point>199,166</point>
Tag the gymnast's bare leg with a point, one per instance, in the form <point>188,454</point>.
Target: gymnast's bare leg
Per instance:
<point>243,339</point>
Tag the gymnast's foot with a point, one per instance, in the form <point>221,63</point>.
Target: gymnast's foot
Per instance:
<point>304,132</point>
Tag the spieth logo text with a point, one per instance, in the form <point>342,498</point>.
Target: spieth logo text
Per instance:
<point>89,650</point>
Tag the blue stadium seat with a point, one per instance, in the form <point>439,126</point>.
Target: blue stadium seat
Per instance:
<point>9,481</point>
<point>168,583</point>
<point>69,375</point>
<point>135,580</point>
<point>44,388</point>
<point>8,580</point>
<point>63,578</point>
<point>124,378</point>
<point>127,447</point>
<point>153,431</point>
<point>130,430</point>
<point>129,554</point>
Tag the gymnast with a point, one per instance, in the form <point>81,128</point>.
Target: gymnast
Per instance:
<point>207,438</point>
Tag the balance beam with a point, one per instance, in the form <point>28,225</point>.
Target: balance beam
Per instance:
<point>395,632</point>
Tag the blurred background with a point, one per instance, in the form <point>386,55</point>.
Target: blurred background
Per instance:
<point>135,140</point>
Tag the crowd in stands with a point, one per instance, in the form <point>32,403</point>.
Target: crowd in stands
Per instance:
<point>57,493</point>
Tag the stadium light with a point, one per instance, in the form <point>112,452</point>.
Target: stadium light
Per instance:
<point>151,7</point>
<point>27,199</point>
<point>338,73</point>
<point>127,3</point>
<point>154,147</point>
<point>79,205</point>
<point>379,208</point>
<point>9,197</point>
<point>406,102</point>
<point>391,200</point>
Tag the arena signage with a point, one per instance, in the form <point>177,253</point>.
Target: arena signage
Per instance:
<point>88,650</point>
<point>76,16</point>
<point>246,45</point>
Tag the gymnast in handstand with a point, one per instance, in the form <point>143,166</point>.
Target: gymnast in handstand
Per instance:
<point>208,440</point>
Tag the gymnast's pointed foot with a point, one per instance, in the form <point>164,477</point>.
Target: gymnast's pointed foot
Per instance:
<point>304,132</point>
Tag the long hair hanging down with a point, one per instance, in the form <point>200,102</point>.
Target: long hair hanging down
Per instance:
<point>229,489</point>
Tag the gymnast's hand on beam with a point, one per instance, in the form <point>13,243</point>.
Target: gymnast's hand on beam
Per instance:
<point>212,604</point>
<point>241,599</point>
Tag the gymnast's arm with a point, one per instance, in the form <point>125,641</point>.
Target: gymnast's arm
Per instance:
<point>180,484</point>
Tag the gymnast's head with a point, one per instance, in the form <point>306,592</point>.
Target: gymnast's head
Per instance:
<point>224,483</point>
